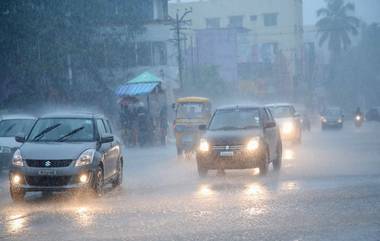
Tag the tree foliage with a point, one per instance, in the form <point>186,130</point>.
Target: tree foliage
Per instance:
<point>358,75</point>
<point>336,25</point>
<point>46,48</point>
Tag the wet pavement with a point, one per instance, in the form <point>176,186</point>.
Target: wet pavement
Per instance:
<point>328,189</point>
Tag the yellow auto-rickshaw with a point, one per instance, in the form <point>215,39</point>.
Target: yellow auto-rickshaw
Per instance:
<point>191,112</point>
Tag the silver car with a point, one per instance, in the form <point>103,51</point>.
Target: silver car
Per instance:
<point>66,152</point>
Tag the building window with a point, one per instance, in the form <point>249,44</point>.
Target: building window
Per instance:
<point>212,22</point>
<point>236,21</point>
<point>270,19</point>
<point>253,18</point>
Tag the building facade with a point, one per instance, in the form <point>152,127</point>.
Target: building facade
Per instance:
<point>269,51</point>
<point>124,52</point>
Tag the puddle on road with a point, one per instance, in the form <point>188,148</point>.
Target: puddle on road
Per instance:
<point>16,223</point>
<point>205,191</point>
<point>254,211</point>
<point>83,216</point>
<point>19,217</point>
<point>289,186</point>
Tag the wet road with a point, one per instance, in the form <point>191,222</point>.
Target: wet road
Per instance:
<point>328,189</point>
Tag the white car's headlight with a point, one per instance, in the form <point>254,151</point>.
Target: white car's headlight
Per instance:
<point>85,158</point>
<point>204,146</point>
<point>323,119</point>
<point>17,159</point>
<point>253,144</point>
<point>288,127</point>
<point>5,149</point>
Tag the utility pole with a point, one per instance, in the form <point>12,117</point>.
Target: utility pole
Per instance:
<point>178,27</point>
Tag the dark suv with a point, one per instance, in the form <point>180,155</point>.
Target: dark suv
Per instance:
<point>65,152</point>
<point>240,137</point>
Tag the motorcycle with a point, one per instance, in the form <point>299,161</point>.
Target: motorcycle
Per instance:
<point>358,120</point>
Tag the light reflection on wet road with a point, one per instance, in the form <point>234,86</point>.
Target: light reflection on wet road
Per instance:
<point>328,189</point>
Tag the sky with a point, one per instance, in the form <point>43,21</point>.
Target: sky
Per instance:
<point>367,10</point>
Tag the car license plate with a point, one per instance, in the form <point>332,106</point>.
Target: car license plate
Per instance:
<point>187,139</point>
<point>227,153</point>
<point>47,172</point>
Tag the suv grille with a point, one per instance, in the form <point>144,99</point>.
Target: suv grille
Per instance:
<point>48,163</point>
<point>46,181</point>
<point>227,148</point>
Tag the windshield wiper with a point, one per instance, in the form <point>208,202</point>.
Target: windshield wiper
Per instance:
<point>63,138</point>
<point>46,130</point>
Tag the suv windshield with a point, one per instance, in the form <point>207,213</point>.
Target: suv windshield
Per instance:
<point>192,110</point>
<point>62,129</point>
<point>235,119</point>
<point>333,112</point>
<point>11,128</point>
<point>282,111</point>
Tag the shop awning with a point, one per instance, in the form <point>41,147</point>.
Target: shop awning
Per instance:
<point>142,85</point>
<point>136,89</point>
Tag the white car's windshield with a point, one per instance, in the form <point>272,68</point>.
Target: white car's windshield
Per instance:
<point>333,112</point>
<point>13,127</point>
<point>235,119</point>
<point>282,111</point>
<point>62,129</point>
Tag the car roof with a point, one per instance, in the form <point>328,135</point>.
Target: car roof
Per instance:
<point>233,107</point>
<point>278,104</point>
<point>333,108</point>
<point>17,117</point>
<point>73,115</point>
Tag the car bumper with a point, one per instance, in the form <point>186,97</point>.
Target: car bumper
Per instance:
<point>239,160</point>
<point>51,179</point>
<point>332,124</point>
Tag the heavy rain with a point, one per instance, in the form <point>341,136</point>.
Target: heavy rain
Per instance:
<point>190,120</point>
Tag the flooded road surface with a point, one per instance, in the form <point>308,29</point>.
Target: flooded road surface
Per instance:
<point>328,189</point>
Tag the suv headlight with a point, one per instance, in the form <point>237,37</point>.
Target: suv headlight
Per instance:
<point>253,144</point>
<point>204,146</point>
<point>5,149</point>
<point>85,158</point>
<point>17,159</point>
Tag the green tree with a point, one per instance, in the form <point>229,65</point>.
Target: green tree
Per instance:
<point>46,47</point>
<point>336,25</point>
<point>358,74</point>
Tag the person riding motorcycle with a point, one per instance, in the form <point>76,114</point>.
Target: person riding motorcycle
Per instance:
<point>359,117</point>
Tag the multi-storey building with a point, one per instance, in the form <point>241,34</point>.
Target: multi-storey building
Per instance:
<point>273,36</point>
<point>124,52</point>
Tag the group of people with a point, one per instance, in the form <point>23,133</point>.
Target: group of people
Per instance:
<point>141,127</point>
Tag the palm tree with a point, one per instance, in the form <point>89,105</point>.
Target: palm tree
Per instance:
<point>336,25</point>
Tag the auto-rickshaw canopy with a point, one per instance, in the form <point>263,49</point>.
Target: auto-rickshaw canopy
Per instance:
<point>193,99</point>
